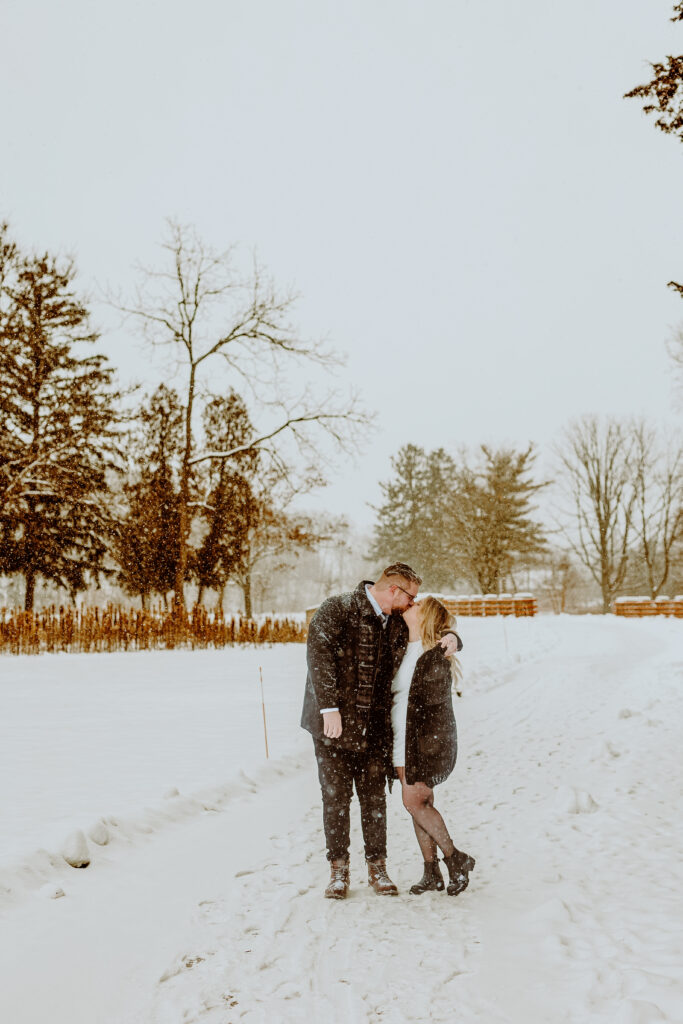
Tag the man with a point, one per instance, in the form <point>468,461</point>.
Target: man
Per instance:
<point>355,645</point>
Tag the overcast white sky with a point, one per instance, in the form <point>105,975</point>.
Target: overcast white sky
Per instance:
<point>469,208</point>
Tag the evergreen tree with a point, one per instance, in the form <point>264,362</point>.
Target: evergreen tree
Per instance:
<point>145,540</point>
<point>230,509</point>
<point>492,516</point>
<point>414,522</point>
<point>59,430</point>
<point>441,559</point>
<point>397,532</point>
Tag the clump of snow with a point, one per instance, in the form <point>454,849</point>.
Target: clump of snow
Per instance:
<point>75,850</point>
<point>99,833</point>
<point>51,891</point>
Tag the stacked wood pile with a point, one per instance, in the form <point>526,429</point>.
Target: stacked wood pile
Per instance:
<point>520,605</point>
<point>115,628</point>
<point>483,605</point>
<point>638,607</point>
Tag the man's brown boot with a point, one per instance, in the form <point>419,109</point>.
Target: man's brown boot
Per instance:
<point>379,879</point>
<point>338,886</point>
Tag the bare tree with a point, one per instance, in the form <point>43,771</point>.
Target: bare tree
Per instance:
<point>596,459</point>
<point>202,308</point>
<point>558,580</point>
<point>674,348</point>
<point>273,535</point>
<point>658,511</point>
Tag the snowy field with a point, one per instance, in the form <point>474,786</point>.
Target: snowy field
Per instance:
<point>110,734</point>
<point>206,903</point>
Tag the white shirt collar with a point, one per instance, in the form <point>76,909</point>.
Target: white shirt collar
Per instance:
<point>374,604</point>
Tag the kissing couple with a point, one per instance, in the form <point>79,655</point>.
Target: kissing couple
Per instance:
<point>378,704</point>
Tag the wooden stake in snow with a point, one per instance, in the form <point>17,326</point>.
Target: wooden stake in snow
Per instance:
<point>263,709</point>
<point>505,634</point>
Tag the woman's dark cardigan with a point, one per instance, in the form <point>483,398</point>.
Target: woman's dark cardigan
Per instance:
<point>431,738</point>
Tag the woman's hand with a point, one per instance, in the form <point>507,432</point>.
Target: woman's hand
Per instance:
<point>332,724</point>
<point>449,644</point>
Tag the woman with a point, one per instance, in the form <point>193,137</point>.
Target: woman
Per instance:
<point>425,741</point>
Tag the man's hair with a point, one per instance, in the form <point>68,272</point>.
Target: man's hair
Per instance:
<point>398,569</point>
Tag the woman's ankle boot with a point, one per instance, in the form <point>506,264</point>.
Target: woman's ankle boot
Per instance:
<point>431,881</point>
<point>459,865</point>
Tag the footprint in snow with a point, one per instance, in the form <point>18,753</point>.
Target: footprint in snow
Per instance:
<point>183,963</point>
<point>605,751</point>
<point>575,801</point>
<point>639,1011</point>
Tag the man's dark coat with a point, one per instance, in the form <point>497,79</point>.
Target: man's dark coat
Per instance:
<point>352,659</point>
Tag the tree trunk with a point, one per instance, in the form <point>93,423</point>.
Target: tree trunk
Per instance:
<point>246,590</point>
<point>488,581</point>
<point>30,590</point>
<point>184,524</point>
<point>563,594</point>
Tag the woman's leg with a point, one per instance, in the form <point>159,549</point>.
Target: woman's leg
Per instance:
<point>432,879</point>
<point>431,831</point>
<point>430,827</point>
<point>425,841</point>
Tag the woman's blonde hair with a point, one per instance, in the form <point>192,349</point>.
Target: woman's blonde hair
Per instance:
<point>435,622</point>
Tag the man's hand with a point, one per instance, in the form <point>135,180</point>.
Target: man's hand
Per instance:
<point>332,724</point>
<point>449,644</point>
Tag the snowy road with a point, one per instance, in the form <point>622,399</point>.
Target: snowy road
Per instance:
<point>568,791</point>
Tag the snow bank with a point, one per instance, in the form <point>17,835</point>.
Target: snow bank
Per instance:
<point>93,742</point>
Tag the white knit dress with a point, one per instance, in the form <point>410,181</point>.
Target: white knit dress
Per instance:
<point>400,688</point>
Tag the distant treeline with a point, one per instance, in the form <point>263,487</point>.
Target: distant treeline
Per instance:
<point>180,494</point>
<point>114,628</point>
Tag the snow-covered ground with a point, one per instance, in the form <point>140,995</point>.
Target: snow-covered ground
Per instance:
<point>86,735</point>
<point>207,905</point>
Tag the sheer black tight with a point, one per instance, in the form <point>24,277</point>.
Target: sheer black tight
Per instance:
<point>429,826</point>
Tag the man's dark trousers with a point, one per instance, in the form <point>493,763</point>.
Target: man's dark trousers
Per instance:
<point>339,770</point>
